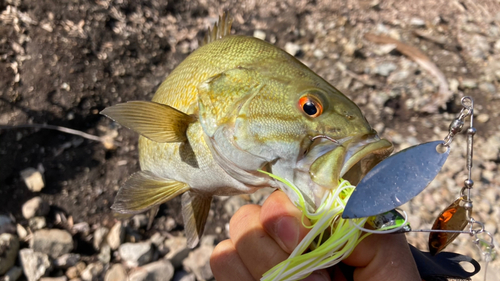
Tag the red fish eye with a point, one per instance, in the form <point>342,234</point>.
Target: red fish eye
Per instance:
<point>310,106</point>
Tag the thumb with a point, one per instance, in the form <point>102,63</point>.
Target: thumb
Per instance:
<point>283,221</point>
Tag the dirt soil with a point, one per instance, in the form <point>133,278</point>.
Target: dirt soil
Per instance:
<point>61,62</point>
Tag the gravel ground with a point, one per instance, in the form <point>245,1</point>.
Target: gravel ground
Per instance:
<point>61,63</point>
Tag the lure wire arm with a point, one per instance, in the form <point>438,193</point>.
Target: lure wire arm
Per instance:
<point>476,228</point>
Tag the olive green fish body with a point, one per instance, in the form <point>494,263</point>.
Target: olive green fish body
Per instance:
<point>236,106</point>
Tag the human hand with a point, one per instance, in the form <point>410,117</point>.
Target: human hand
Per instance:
<point>262,237</point>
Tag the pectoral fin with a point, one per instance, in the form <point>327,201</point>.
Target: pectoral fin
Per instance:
<point>195,208</point>
<point>155,121</point>
<point>143,191</point>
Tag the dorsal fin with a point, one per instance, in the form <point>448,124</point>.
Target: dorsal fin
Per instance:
<point>221,29</point>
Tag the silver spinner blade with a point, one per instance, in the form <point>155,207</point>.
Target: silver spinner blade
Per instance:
<point>396,180</point>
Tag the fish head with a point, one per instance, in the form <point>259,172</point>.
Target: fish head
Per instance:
<point>294,125</point>
<point>335,141</point>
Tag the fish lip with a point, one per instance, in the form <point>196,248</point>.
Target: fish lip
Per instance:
<point>364,155</point>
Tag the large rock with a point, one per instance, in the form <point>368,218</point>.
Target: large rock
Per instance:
<point>136,254</point>
<point>161,270</point>
<point>53,242</point>
<point>116,273</point>
<point>35,207</point>
<point>35,264</point>
<point>9,245</point>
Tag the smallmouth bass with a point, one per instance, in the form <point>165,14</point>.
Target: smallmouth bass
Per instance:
<point>233,107</point>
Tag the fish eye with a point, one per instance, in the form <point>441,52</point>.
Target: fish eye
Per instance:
<point>311,106</point>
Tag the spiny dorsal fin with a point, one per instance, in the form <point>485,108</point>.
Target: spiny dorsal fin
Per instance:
<point>221,28</point>
<point>155,121</point>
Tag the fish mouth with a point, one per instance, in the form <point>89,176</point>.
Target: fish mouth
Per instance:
<point>351,159</point>
<point>364,158</point>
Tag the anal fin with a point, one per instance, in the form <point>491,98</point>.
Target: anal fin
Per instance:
<point>144,191</point>
<point>195,208</point>
<point>155,121</point>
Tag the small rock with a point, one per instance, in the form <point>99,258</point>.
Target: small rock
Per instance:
<point>81,227</point>
<point>116,273</point>
<point>488,175</point>
<point>13,274</point>
<point>66,260</point>
<point>198,260</point>
<point>35,264</point>
<point>161,270</point>
<point>105,254</point>
<point>178,250</point>
<point>75,271</point>
<point>385,68</point>
<point>157,239</point>
<point>170,223</point>
<point>417,22</point>
<point>21,231</point>
<point>7,225</point>
<point>259,34</point>
<point>54,242</point>
<point>318,54</point>
<point>292,48</point>
<point>92,272</point>
<point>136,254</point>
<point>490,150</point>
<point>139,221</point>
<point>37,223</point>
<point>33,179</point>
<point>9,245</point>
<point>349,48</point>
<point>398,76</point>
<point>483,118</point>
<point>453,84</point>
<point>35,207</point>
<point>469,83</point>
<point>382,50</point>
<point>99,237</point>
<point>60,278</point>
<point>116,236</point>
<point>487,87</point>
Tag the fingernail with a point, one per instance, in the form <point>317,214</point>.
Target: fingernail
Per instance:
<point>317,276</point>
<point>287,229</point>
